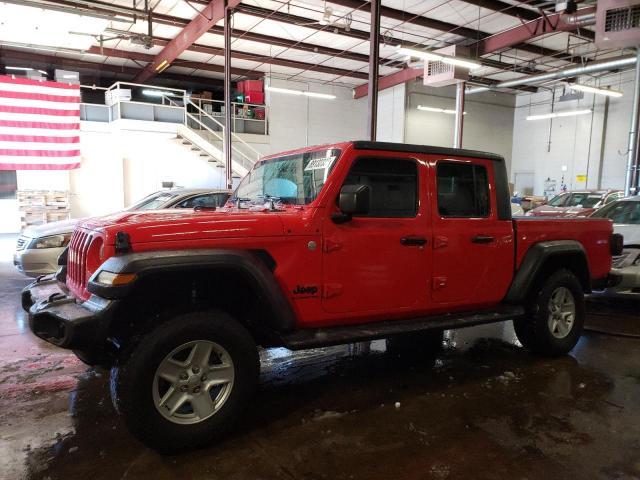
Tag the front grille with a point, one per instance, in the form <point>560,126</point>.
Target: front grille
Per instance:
<point>618,260</point>
<point>22,242</point>
<point>620,19</point>
<point>77,263</point>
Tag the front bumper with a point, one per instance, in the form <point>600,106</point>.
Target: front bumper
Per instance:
<point>34,262</point>
<point>630,279</point>
<point>56,317</point>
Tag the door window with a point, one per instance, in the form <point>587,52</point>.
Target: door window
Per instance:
<point>392,182</point>
<point>463,190</point>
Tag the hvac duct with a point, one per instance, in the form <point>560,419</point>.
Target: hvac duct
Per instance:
<point>593,67</point>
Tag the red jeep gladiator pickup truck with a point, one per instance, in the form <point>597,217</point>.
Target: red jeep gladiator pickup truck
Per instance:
<point>320,246</point>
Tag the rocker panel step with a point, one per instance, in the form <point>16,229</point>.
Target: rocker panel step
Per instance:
<point>323,337</point>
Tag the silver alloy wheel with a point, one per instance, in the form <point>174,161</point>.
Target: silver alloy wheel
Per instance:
<point>562,312</point>
<point>193,382</point>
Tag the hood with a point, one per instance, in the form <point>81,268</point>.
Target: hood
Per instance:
<point>631,233</point>
<point>183,224</point>
<point>53,228</point>
<point>549,211</point>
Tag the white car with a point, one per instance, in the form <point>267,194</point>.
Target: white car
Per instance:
<point>625,214</point>
<point>38,248</point>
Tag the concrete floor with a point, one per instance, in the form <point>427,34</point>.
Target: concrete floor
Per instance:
<point>485,409</point>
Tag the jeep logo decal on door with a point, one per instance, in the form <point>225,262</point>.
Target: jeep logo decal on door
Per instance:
<point>308,290</point>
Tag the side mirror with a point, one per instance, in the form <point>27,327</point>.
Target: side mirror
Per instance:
<point>353,200</point>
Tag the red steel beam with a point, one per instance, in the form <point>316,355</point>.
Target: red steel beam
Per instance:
<point>527,31</point>
<point>507,39</point>
<point>201,23</point>
<point>38,59</point>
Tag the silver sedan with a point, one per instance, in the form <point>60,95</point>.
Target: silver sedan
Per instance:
<point>38,247</point>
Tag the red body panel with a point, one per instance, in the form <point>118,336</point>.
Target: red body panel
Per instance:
<point>593,234</point>
<point>362,271</point>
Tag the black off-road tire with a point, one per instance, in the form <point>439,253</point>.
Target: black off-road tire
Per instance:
<point>416,345</point>
<point>534,330</point>
<point>132,380</point>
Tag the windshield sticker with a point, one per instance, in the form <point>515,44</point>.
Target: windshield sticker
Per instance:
<point>320,163</point>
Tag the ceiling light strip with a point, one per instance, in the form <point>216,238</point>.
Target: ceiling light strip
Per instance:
<point>568,113</point>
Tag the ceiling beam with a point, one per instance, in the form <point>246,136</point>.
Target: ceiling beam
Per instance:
<point>445,27</point>
<point>543,25</point>
<point>500,41</point>
<point>211,14</point>
<point>505,8</point>
<point>30,59</point>
<point>254,57</point>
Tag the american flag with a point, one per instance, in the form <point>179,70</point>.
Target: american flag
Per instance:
<point>39,125</point>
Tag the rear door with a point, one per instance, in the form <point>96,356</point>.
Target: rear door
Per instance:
<point>380,262</point>
<point>473,251</point>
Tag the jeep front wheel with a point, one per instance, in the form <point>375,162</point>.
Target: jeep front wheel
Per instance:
<point>555,316</point>
<point>185,383</point>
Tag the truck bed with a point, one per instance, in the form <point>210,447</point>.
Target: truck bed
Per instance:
<point>592,233</point>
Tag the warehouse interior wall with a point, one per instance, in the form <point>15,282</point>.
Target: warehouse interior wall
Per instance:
<point>297,121</point>
<point>575,147</point>
<point>488,123</point>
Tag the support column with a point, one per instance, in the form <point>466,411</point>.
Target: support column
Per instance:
<point>228,118</point>
<point>457,132</point>
<point>374,64</point>
<point>633,160</point>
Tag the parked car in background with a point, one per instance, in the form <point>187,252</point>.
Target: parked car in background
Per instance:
<point>580,203</point>
<point>516,210</point>
<point>625,214</point>
<point>531,201</point>
<point>38,247</point>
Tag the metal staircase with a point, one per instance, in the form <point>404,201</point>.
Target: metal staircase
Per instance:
<point>197,133</point>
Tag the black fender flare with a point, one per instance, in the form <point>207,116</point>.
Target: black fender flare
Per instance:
<point>536,259</point>
<point>249,264</point>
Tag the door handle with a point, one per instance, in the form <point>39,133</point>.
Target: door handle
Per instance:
<point>482,239</point>
<point>413,241</point>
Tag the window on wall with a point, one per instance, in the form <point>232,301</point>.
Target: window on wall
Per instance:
<point>463,190</point>
<point>8,184</point>
<point>392,182</point>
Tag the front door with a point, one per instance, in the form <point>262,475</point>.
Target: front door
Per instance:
<point>472,248</point>
<point>380,261</point>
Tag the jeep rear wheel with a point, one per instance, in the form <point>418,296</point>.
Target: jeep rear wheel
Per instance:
<point>185,383</point>
<point>555,316</point>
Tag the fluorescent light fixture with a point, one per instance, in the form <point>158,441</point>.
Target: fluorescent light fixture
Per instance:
<point>26,69</point>
<point>158,93</point>
<point>438,110</point>
<point>568,113</point>
<point>599,91</point>
<point>434,57</point>
<point>419,54</point>
<point>290,91</point>
<point>70,76</point>
<point>459,62</point>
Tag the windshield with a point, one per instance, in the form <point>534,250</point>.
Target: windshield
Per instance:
<point>292,179</point>
<point>557,200</point>
<point>621,212</point>
<point>153,201</point>
<point>585,200</point>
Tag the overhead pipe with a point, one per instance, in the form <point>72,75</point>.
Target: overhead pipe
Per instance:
<point>580,20</point>
<point>374,67</point>
<point>457,132</point>
<point>228,114</point>
<point>593,67</point>
<point>633,159</point>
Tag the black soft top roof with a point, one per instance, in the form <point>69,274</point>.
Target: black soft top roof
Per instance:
<point>428,149</point>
